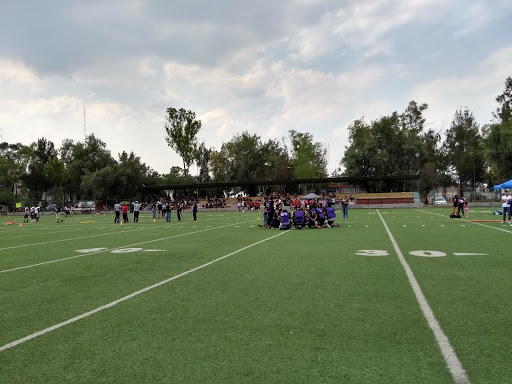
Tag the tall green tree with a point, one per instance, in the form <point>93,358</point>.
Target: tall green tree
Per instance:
<point>81,159</point>
<point>463,149</point>
<point>38,155</point>
<point>397,144</point>
<point>504,110</point>
<point>497,138</point>
<point>182,127</point>
<point>13,166</point>
<point>202,158</point>
<point>309,158</point>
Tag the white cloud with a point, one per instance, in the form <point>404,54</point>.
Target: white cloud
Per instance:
<point>476,91</point>
<point>15,73</point>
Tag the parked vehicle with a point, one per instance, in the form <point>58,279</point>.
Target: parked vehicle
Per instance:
<point>440,200</point>
<point>83,207</point>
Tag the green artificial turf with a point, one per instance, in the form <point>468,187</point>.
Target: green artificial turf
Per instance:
<point>299,306</point>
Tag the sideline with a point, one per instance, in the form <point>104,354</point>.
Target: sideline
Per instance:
<point>450,357</point>
<point>140,228</point>
<point>115,302</point>
<point>113,249</point>
<point>467,221</point>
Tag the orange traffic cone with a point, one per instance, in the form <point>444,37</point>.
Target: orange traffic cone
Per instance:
<point>21,225</point>
<point>154,220</point>
<point>120,223</point>
<point>258,217</point>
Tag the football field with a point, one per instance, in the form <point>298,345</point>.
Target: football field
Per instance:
<point>389,296</point>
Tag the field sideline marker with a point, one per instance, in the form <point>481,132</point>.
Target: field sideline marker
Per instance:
<point>113,249</point>
<point>474,222</point>
<point>450,357</point>
<point>131,295</point>
<point>140,228</point>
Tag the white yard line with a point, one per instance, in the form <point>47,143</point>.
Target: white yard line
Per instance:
<point>72,239</point>
<point>115,302</point>
<point>139,228</point>
<point>450,357</point>
<point>25,235</point>
<point>112,249</point>
<point>471,222</point>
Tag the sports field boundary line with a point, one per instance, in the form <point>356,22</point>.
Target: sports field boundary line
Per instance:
<point>131,295</point>
<point>143,227</point>
<point>450,357</point>
<point>467,221</point>
<point>121,247</point>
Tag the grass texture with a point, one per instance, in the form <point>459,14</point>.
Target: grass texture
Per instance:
<point>242,304</point>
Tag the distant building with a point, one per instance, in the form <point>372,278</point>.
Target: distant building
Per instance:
<point>344,189</point>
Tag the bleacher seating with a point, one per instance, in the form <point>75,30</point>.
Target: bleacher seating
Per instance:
<point>382,198</point>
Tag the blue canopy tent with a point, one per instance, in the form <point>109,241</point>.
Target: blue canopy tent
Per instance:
<point>505,185</point>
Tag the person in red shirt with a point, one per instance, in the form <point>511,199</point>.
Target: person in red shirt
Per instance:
<point>124,208</point>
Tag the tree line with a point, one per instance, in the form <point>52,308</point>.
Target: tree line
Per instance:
<point>397,144</point>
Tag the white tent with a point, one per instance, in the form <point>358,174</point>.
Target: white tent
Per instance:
<point>310,196</point>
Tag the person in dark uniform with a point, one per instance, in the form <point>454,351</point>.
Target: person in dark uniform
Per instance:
<point>269,209</point>
<point>194,210</point>
<point>117,210</point>
<point>455,205</point>
<point>179,212</point>
<point>312,218</point>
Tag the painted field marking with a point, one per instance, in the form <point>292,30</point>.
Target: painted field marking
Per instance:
<point>472,222</point>
<point>74,238</point>
<point>89,236</point>
<point>115,302</point>
<point>34,234</point>
<point>104,250</point>
<point>423,225</point>
<point>450,357</point>
<point>381,252</point>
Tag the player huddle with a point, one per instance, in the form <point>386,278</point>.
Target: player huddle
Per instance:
<point>314,216</point>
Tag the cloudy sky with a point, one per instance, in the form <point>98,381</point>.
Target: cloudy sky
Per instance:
<point>261,66</point>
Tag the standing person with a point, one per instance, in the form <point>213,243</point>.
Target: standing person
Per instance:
<point>168,212</point>
<point>461,206</point>
<point>153,210</point>
<point>59,215</point>
<point>194,210</point>
<point>164,209</point>
<point>117,210</point>
<point>136,209</point>
<point>344,207</point>
<point>124,208</point>
<point>269,209</point>
<point>27,211</point>
<point>159,207</point>
<point>455,205</point>
<point>505,198</point>
<point>466,206</point>
<point>178,211</point>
